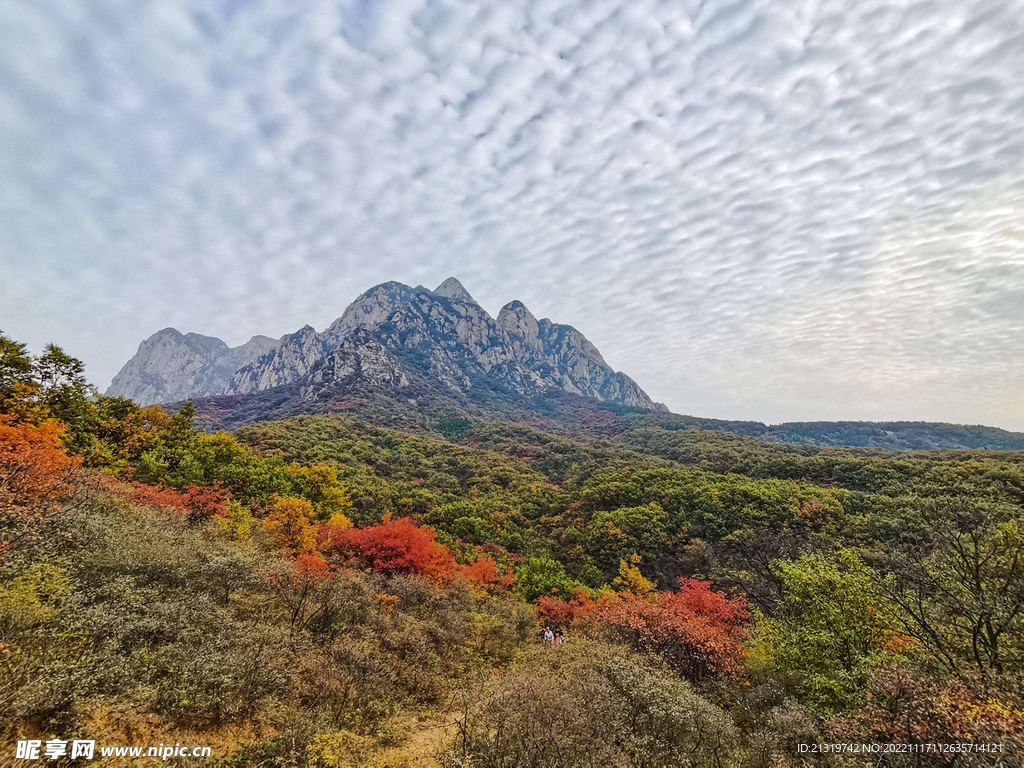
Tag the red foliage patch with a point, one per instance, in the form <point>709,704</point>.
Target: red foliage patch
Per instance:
<point>554,612</point>
<point>394,546</point>
<point>312,566</point>
<point>196,501</point>
<point>698,630</point>
<point>329,537</point>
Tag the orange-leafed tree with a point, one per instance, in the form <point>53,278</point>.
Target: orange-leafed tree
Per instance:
<point>34,469</point>
<point>395,546</point>
<point>483,572</point>
<point>289,522</point>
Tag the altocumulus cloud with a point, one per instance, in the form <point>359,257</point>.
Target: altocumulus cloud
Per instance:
<point>759,209</point>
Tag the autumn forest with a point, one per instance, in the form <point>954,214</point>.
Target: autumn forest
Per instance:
<point>346,588</point>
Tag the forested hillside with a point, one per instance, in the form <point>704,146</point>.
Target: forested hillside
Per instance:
<point>326,590</point>
<point>892,435</point>
<point>425,409</point>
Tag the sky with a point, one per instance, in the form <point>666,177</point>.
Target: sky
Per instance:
<point>799,210</point>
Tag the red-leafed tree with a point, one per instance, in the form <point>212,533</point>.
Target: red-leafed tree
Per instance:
<point>205,501</point>
<point>697,630</point>
<point>554,612</point>
<point>159,496</point>
<point>312,566</point>
<point>393,546</point>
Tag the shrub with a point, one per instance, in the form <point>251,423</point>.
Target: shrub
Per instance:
<point>910,704</point>
<point>349,683</point>
<point>32,597</point>
<point>697,630</point>
<point>591,704</point>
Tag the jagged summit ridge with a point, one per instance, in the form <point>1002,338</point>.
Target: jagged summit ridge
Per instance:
<point>388,337</point>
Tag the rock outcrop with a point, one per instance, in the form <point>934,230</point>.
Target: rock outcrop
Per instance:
<point>170,365</point>
<point>388,337</point>
<point>289,361</point>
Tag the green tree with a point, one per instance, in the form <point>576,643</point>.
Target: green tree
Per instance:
<point>958,579</point>
<point>616,535</point>
<point>182,431</point>
<point>68,396</point>
<point>18,388</point>
<point>543,576</point>
<point>829,630</point>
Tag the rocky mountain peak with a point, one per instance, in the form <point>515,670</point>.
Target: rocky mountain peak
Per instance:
<point>521,330</point>
<point>211,343</point>
<point>441,339</point>
<point>289,359</point>
<point>452,289</point>
<point>170,365</point>
<point>565,338</point>
<point>515,315</point>
<point>370,309</point>
<point>252,350</point>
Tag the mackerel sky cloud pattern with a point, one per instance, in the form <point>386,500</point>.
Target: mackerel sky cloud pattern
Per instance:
<point>757,209</point>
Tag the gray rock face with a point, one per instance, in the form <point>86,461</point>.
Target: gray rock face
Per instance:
<point>389,336</point>
<point>289,361</point>
<point>370,310</point>
<point>360,357</point>
<point>172,366</point>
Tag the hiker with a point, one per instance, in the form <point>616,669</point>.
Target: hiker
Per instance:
<point>549,636</point>
<point>559,639</point>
